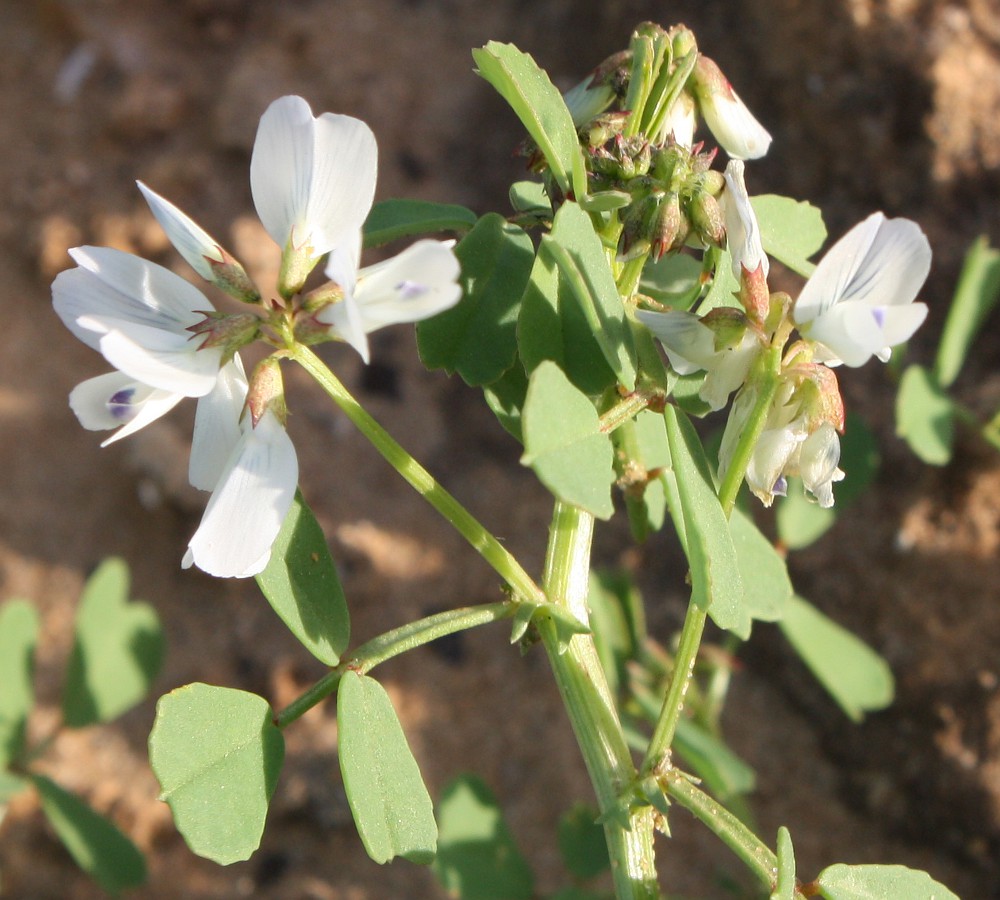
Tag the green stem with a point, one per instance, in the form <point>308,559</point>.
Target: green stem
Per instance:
<point>393,643</point>
<point>420,479</point>
<point>722,823</point>
<point>658,754</point>
<point>624,411</point>
<point>591,708</point>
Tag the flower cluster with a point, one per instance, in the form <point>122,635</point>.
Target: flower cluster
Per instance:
<point>313,184</point>
<point>858,303</point>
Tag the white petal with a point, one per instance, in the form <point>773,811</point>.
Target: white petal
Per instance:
<point>162,360</point>
<point>195,244</point>
<point>313,180</point>
<point>116,401</point>
<point>742,231</point>
<point>817,461</point>
<point>217,426</point>
<point>879,262</point>
<point>111,283</point>
<point>418,283</point>
<point>728,371</point>
<point>344,261</point>
<point>689,344</point>
<point>899,323</point>
<point>770,457</point>
<point>249,504</point>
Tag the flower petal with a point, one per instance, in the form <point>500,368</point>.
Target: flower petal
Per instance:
<point>195,244</point>
<point>109,283</point>
<point>248,505</point>
<point>312,180</point>
<point>742,231</point>
<point>690,345</point>
<point>217,428</point>
<point>114,400</point>
<point>161,359</point>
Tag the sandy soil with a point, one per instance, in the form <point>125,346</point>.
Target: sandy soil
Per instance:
<point>889,105</point>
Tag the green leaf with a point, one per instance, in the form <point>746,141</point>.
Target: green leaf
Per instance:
<point>790,230</point>
<point>10,784</point>
<point>975,296</point>
<point>18,635</point>
<point>216,753</point>
<point>925,416</point>
<point>540,107</point>
<point>785,887</point>
<point>724,773</point>
<point>581,842</point>
<point>390,220</point>
<point>766,585</point>
<point>801,521</point>
<point>605,201</point>
<point>505,397</point>
<point>552,326</point>
<point>716,585</point>
<point>675,280</point>
<point>853,674</point>
<point>530,197</point>
<point>563,442</point>
<point>724,286</point>
<point>581,258</point>
<point>477,337</point>
<point>870,882</point>
<point>391,807</point>
<point>616,621</point>
<point>118,649</point>
<point>477,857</point>
<point>98,848</point>
<point>301,584</point>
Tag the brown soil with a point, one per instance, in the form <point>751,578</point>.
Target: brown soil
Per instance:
<point>889,105</point>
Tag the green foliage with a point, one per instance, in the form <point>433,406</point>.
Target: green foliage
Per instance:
<point>853,674</point>
<point>529,197</point>
<point>766,585</point>
<point>217,755</point>
<point>564,444</point>
<point>791,231</point>
<point>701,524</point>
<point>785,887</point>
<point>801,521</point>
<point>392,809</point>
<point>18,634</point>
<point>540,107</point>
<point>477,336</point>
<point>843,882</point>
<point>390,220</point>
<point>925,416</point>
<point>477,857</point>
<point>98,848</point>
<point>118,650</point>
<point>505,397</point>
<point>674,280</point>
<point>975,297</point>
<point>300,582</point>
<point>581,842</point>
<point>724,773</point>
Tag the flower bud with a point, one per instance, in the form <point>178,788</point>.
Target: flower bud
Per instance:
<point>670,226</point>
<point>682,41</point>
<point>706,218</point>
<point>267,391</point>
<point>680,122</point>
<point>230,332</point>
<point>728,118</point>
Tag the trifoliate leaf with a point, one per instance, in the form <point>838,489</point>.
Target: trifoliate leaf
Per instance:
<point>925,416</point>
<point>390,220</point>
<point>871,882</point>
<point>791,231</point>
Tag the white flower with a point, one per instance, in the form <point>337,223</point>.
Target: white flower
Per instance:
<point>728,118</point>
<point>680,121</point>
<point>816,463</point>
<point>742,231</point>
<point>859,301</point>
<point>312,179</point>
<point>690,346</point>
<point>137,315</point>
<point>252,472</point>
<point>117,401</point>
<point>414,285</point>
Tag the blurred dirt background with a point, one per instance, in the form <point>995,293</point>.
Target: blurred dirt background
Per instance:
<point>891,105</point>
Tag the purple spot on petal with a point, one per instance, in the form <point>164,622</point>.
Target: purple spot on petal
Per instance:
<point>780,488</point>
<point>410,290</point>
<point>878,313</point>
<point>120,404</point>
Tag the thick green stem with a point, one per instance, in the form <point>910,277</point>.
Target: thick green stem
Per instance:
<point>420,479</point>
<point>393,643</point>
<point>591,708</point>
